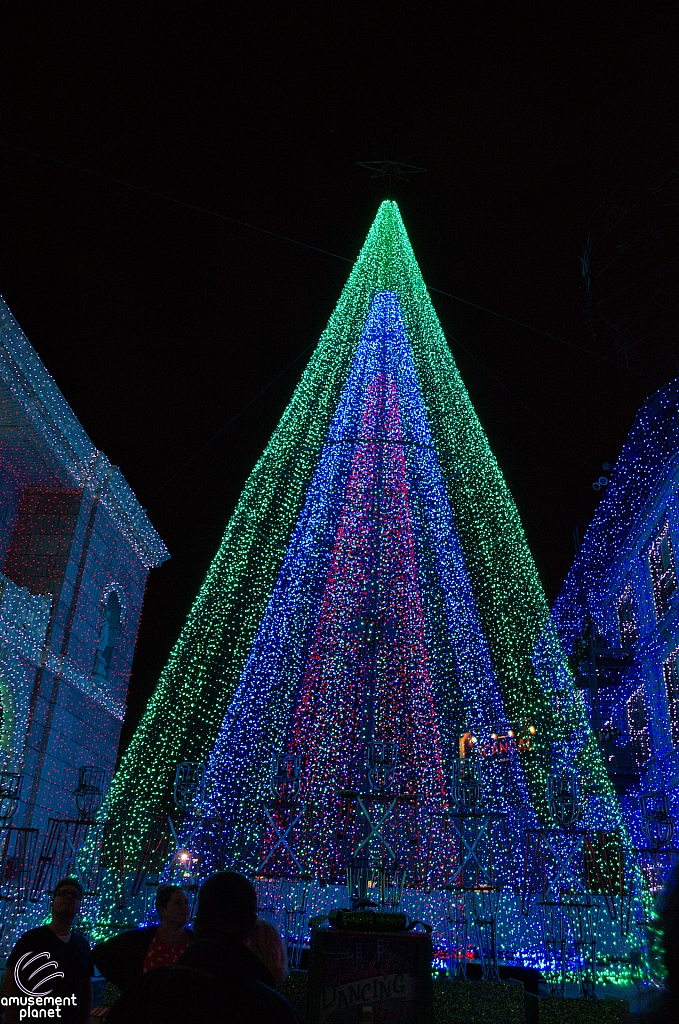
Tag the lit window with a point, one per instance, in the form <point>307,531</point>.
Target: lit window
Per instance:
<point>671,676</point>
<point>108,636</point>
<point>637,724</point>
<point>627,619</point>
<point>663,572</point>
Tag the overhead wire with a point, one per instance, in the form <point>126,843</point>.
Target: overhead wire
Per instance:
<point>316,248</point>
<point>516,398</point>
<point>170,199</point>
<point>232,420</point>
<point>287,238</point>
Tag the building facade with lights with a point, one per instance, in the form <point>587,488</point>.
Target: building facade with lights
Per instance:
<point>75,552</point>
<point>618,618</point>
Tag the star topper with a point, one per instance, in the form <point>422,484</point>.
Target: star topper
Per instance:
<point>390,169</point>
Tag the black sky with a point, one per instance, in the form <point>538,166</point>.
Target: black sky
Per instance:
<point>159,322</point>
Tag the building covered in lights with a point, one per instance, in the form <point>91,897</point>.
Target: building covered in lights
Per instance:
<point>75,552</point>
<point>618,618</point>
<point>368,699</point>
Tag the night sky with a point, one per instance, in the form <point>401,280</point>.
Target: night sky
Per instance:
<point>160,322</point>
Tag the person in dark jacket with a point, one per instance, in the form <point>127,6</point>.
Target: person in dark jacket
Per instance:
<point>122,959</point>
<point>218,980</point>
<point>52,962</point>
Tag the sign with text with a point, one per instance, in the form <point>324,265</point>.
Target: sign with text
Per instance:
<point>364,976</point>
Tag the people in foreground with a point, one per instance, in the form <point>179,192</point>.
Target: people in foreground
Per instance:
<point>218,980</point>
<point>122,959</point>
<point>269,947</point>
<point>52,964</point>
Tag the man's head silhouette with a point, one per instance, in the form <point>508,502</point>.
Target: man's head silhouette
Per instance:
<point>227,908</point>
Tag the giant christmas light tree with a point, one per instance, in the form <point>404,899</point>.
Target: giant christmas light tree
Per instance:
<point>373,586</point>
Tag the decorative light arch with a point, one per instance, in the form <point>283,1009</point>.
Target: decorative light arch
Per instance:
<point>115,587</point>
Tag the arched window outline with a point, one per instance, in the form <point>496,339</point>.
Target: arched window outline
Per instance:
<point>663,570</point>
<point>671,677</point>
<point>627,618</point>
<point>637,723</point>
<point>108,589</point>
<point>113,619</point>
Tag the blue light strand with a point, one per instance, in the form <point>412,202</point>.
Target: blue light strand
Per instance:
<point>258,720</point>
